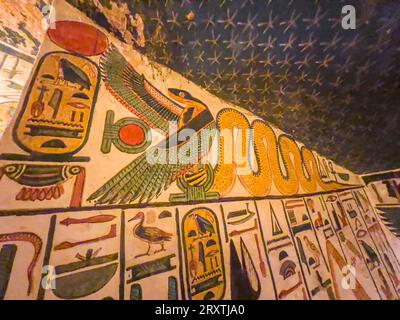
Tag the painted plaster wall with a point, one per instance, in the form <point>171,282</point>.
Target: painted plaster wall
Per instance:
<point>383,191</point>
<point>219,231</point>
<point>21,34</point>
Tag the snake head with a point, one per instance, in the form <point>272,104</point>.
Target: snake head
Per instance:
<point>182,96</point>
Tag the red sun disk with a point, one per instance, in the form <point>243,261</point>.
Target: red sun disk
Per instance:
<point>132,135</point>
<point>78,37</point>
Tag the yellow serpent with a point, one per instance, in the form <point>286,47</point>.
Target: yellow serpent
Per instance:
<point>300,164</point>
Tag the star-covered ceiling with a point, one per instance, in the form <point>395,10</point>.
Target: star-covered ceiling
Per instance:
<point>288,61</point>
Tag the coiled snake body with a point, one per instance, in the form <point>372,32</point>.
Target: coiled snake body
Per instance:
<point>300,164</point>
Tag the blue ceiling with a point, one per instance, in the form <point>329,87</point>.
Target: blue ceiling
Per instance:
<point>291,63</point>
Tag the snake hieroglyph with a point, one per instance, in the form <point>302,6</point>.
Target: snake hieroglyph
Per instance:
<point>37,246</point>
<point>299,163</point>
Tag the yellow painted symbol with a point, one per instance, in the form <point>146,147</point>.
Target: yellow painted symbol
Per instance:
<point>57,111</point>
<point>205,272</point>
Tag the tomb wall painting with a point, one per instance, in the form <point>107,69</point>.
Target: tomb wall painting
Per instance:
<point>85,216</point>
<point>383,190</point>
<point>21,33</point>
<point>14,71</point>
<point>21,24</point>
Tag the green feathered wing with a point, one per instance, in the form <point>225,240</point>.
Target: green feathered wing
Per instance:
<point>134,92</point>
<point>153,171</point>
